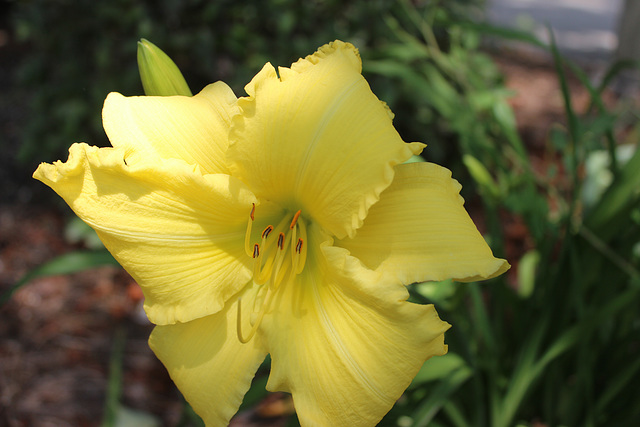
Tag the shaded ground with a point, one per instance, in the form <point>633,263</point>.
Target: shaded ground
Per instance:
<point>57,333</point>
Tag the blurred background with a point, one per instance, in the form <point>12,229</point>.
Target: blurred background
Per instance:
<point>532,104</point>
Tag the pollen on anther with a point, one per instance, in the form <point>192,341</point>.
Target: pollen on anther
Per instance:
<point>256,250</point>
<point>267,231</point>
<point>299,245</point>
<point>253,211</point>
<point>294,220</point>
<point>281,241</point>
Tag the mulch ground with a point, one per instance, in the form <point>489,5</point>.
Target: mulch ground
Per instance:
<point>57,336</point>
<point>56,333</point>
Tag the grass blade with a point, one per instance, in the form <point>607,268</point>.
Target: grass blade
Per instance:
<point>114,387</point>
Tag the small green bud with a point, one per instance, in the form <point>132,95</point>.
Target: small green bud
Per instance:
<point>159,74</point>
<point>527,273</point>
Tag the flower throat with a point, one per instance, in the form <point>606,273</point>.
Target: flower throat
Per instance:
<point>277,259</point>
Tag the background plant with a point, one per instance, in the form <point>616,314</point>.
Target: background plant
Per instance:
<point>80,51</point>
<point>561,344</point>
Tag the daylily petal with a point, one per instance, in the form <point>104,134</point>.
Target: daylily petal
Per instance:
<point>178,233</point>
<point>419,231</point>
<point>344,353</point>
<point>317,139</point>
<point>212,369</point>
<point>194,129</point>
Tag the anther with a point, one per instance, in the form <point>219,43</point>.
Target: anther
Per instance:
<point>301,249</point>
<point>256,250</point>
<point>281,241</point>
<point>253,211</point>
<point>295,219</point>
<point>267,231</point>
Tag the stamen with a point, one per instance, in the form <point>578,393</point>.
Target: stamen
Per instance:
<point>257,261</point>
<point>302,249</point>
<point>281,273</point>
<point>294,242</point>
<point>261,275</point>
<point>263,265</point>
<point>266,306</point>
<point>262,272</point>
<point>239,323</point>
<point>247,235</point>
<point>267,231</point>
<point>272,265</point>
<point>278,273</point>
<point>295,219</point>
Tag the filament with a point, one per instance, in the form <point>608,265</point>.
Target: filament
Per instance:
<point>247,235</point>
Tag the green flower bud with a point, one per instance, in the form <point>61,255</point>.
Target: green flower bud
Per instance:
<point>159,74</point>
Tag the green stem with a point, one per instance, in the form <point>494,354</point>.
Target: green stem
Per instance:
<point>114,387</point>
<point>609,253</point>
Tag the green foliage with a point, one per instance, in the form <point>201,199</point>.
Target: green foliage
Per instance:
<point>68,263</point>
<point>80,51</point>
<point>559,341</point>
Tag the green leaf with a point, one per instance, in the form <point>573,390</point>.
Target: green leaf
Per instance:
<point>440,395</point>
<point>481,176</point>
<point>439,293</point>
<point>78,231</point>
<point>608,218</point>
<point>502,32</point>
<point>72,262</point>
<point>437,368</point>
<point>617,384</point>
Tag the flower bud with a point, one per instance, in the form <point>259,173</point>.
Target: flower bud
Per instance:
<point>159,74</point>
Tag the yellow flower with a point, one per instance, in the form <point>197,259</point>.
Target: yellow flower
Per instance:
<point>281,223</point>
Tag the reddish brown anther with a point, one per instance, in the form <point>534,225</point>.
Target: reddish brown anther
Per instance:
<point>294,220</point>
<point>267,231</point>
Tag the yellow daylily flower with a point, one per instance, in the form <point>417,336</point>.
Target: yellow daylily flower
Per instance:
<point>281,223</point>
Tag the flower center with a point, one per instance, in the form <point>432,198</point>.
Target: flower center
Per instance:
<point>277,259</point>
